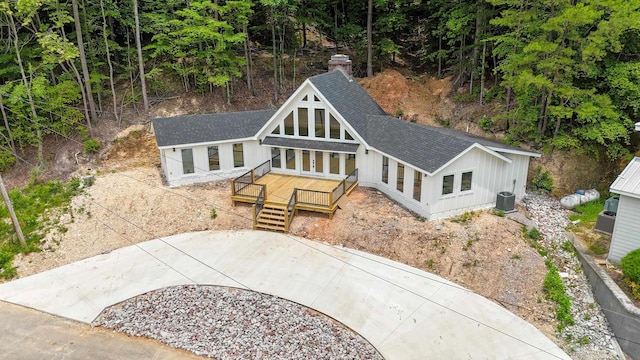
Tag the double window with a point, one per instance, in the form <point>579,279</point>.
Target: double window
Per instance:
<point>448,183</point>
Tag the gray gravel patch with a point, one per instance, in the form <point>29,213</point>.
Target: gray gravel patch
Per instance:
<point>590,338</point>
<point>229,323</point>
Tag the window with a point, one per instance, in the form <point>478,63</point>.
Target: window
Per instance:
<point>238,156</point>
<point>319,123</point>
<point>275,157</point>
<point>466,181</point>
<point>214,158</point>
<point>288,124</point>
<point>291,159</point>
<point>319,162</point>
<point>447,184</point>
<point>417,185</point>
<point>385,170</point>
<point>315,98</point>
<point>334,128</point>
<point>305,98</point>
<point>347,135</point>
<point>350,163</point>
<point>276,131</point>
<point>303,121</point>
<point>400,179</point>
<point>187,161</point>
<point>334,163</point>
<point>306,160</point>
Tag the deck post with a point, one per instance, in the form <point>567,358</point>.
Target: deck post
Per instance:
<point>253,177</point>
<point>286,220</point>
<point>255,216</point>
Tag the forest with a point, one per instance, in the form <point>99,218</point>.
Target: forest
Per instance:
<point>565,73</point>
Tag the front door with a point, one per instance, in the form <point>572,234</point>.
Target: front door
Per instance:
<point>312,162</point>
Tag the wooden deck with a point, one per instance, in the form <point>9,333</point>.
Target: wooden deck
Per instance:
<point>280,187</point>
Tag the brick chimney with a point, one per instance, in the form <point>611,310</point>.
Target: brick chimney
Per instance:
<point>341,62</point>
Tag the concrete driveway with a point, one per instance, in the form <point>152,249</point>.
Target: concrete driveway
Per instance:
<point>404,312</point>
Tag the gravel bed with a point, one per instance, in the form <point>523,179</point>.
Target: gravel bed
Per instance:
<point>590,338</point>
<point>228,323</point>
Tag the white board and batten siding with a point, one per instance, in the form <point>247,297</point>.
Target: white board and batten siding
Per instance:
<point>626,231</point>
<point>171,161</point>
<point>491,175</point>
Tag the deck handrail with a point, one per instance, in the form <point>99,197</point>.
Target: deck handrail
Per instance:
<point>351,180</point>
<point>313,197</point>
<point>291,210</point>
<point>261,170</point>
<point>258,205</point>
<point>241,182</point>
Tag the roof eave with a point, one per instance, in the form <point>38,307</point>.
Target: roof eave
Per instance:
<point>235,140</point>
<point>514,151</point>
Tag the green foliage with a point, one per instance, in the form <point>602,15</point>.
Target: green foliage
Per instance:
<point>214,213</point>
<point>485,123</point>
<point>555,290</point>
<point>464,218</point>
<point>7,160</point>
<point>91,146</point>
<point>541,181</point>
<point>499,212</point>
<point>630,264</point>
<point>32,206</point>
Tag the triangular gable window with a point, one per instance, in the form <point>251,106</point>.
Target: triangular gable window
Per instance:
<point>315,98</point>
<point>276,131</point>
<point>347,135</point>
<point>305,98</point>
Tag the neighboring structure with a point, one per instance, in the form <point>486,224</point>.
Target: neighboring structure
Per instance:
<point>330,127</point>
<point>625,237</point>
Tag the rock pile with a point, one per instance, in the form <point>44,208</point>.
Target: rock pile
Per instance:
<point>590,338</point>
<point>229,323</point>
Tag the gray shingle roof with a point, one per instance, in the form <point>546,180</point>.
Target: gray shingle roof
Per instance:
<point>297,143</point>
<point>350,99</point>
<point>194,129</point>
<point>425,147</point>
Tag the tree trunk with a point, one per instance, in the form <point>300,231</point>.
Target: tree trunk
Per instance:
<point>275,57</point>
<point>247,56</point>
<point>484,53</point>
<point>439,55</point>
<point>25,82</point>
<point>370,38</point>
<point>106,46</point>
<point>475,56</point>
<point>14,219</point>
<point>82,89</point>
<point>85,69</point>
<point>143,83</point>
<point>6,125</point>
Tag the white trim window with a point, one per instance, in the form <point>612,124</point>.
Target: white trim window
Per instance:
<point>187,161</point>
<point>238,155</point>
<point>214,158</point>
<point>467,181</point>
<point>417,185</point>
<point>447,184</point>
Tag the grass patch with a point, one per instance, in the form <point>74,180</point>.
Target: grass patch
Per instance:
<point>555,290</point>
<point>587,213</point>
<point>31,205</point>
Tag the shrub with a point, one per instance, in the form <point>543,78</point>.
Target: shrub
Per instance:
<point>6,160</point>
<point>485,123</point>
<point>631,266</point>
<point>541,181</point>
<point>91,146</point>
<point>214,213</point>
<point>556,291</point>
<point>6,270</point>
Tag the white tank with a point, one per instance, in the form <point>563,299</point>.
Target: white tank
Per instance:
<point>573,200</point>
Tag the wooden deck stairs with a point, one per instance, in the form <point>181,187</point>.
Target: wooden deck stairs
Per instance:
<point>272,218</point>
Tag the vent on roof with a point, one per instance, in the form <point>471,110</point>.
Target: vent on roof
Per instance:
<point>341,62</point>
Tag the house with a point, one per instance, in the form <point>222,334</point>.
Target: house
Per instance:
<point>330,128</point>
<point>627,226</point>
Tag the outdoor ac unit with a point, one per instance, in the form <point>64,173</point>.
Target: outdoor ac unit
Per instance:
<point>605,222</point>
<point>506,201</point>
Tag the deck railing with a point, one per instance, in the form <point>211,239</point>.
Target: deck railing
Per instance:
<point>291,211</point>
<point>244,184</point>
<point>261,170</point>
<point>259,204</point>
<point>312,197</point>
<point>351,180</point>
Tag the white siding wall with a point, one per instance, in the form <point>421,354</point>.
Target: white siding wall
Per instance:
<point>254,154</point>
<point>626,229</point>
<point>490,176</point>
